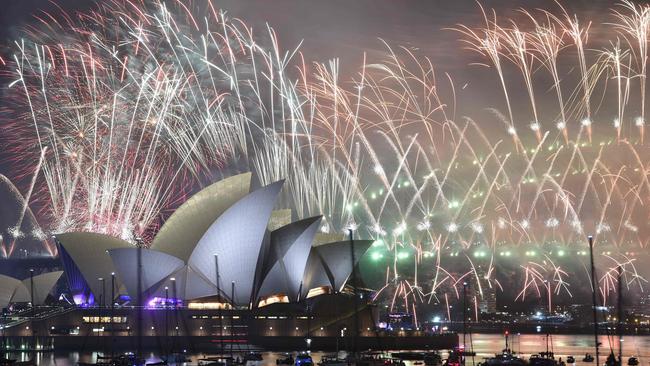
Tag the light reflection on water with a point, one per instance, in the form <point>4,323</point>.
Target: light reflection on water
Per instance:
<point>485,345</point>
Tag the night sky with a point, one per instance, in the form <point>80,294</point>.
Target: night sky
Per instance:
<point>348,29</point>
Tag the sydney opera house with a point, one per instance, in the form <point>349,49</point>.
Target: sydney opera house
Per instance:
<point>225,267</point>
<point>223,237</point>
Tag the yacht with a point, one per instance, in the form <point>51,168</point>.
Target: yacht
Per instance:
<point>376,359</point>
<point>332,361</point>
<point>505,358</point>
<point>543,359</point>
<point>432,359</point>
<point>285,361</point>
<point>304,359</point>
<point>253,359</point>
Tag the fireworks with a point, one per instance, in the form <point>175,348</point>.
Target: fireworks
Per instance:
<point>130,107</point>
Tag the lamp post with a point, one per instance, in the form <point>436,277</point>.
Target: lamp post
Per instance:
<point>620,315</point>
<point>33,310</point>
<point>356,295</point>
<point>31,285</point>
<point>172,280</point>
<point>547,284</point>
<point>594,291</point>
<point>166,309</point>
<point>308,325</point>
<point>101,304</point>
<point>173,283</point>
<point>139,246</point>
<point>464,320</point>
<point>220,313</point>
<point>232,315</point>
<point>112,310</point>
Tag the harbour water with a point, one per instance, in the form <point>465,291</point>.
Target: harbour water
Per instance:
<point>485,345</point>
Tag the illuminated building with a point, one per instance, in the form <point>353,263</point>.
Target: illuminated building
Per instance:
<point>224,265</point>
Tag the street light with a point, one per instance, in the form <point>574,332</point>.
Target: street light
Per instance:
<point>31,283</point>
<point>102,301</point>
<point>112,306</point>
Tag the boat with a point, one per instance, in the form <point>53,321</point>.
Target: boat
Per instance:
<point>253,359</point>
<point>127,359</point>
<point>454,359</point>
<point>177,358</point>
<point>542,359</point>
<point>570,360</point>
<point>375,359</point>
<point>332,361</point>
<point>506,358</point>
<point>588,358</point>
<point>98,363</point>
<point>304,359</point>
<point>285,361</point>
<point>611,360</point>
<point>215,361</point>
<point>632,361</point>
<point>410,356</point>
<point>432,359</point>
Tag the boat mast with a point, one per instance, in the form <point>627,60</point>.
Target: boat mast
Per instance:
<point>232,316</point>
<point>138,353</point>
<point>464,319</point>
<point>113,314</point>
<point>594,290</point>
<point>548,314</point>
<point>619,325</point>
<point>216,268</point>
<point>356,296</point>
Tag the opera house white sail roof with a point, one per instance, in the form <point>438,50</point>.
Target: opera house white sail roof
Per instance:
<point>13,290</point>
<point>257,249</point>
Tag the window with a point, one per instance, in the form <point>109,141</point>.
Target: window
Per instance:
<point>103,319</point>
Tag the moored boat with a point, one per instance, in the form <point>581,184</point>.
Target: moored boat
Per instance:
<point>304,359</point>
<point>332,361</point>
<point>543,359</point>
<point>432,359</point>
<point>506,358</point>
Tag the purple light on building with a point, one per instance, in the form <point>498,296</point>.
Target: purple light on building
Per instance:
<point>161,303</point>
<point>83,300</point>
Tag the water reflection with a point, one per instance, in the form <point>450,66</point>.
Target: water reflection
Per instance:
<point>485,345</point>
